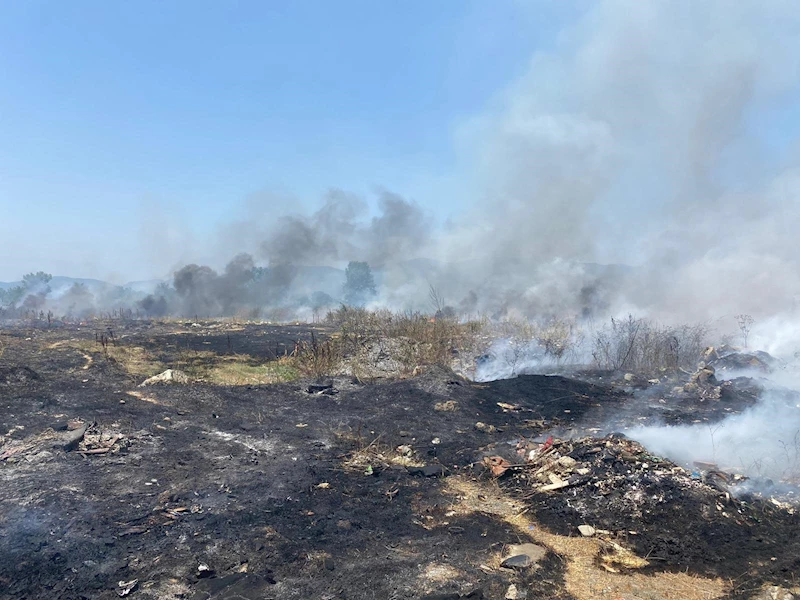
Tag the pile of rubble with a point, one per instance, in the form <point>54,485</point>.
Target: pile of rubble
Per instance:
<point>612,484</point>
<point>75,435</point>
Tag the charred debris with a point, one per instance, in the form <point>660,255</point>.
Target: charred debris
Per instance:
<point>166,464</point>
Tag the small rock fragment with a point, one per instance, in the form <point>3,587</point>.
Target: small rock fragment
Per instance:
<point>428,471</point>
<point>168,376</point>
<point>586,530</point>
<point>481,426</point>
<point>518,561</point>
<point>515,593</point>
<point>774,592</point>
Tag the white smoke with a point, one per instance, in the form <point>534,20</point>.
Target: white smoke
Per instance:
<point>762,442</point>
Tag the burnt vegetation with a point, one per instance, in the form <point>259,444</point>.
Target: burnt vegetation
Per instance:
<point>230,458</point>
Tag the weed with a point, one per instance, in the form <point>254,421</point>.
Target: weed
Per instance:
<point>644,346</point>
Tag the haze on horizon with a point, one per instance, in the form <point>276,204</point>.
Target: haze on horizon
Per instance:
<point>523,139</point>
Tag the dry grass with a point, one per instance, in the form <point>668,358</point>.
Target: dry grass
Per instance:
<point>586,577</point>
<point>446,406</point>
<point>644,346</point>
<point>378,343</point>
<point>204,366</point>
<point>235,369</point>
<point>375,455</point>
<point>135,360</point>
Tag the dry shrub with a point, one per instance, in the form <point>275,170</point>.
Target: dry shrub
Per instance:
<point>644,346</point>
<point>318,359</point>
<point>552,340</point>
<point>412,339</point>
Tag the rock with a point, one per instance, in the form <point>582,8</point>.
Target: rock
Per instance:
<point>586,530</point>
<point>774,592</point>
<point>168,376</point>
<point>70,440</point>
<point>480,426</point>
<point>533,551</point>
<point>514,593</point>
<point>518,561</point>
<point>428,471</point>
<point>729,359</point>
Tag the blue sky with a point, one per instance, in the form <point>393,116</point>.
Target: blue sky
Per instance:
<point>123,117</point>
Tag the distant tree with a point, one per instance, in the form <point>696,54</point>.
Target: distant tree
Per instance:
<point>11,297</point>
<point>359,285</point>
<point>32,281</point>
<point>32,284</point>
<point>320,300</point>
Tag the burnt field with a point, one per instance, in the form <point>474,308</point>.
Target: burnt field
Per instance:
<point>249,476</point>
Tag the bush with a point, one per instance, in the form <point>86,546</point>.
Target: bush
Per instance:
<point>643,346</point>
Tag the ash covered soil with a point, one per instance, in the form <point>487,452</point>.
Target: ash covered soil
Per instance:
<point>376,489</point>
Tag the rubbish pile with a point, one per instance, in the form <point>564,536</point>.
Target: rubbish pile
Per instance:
<point>614,468</point>
<point>700,518</point>
<point>82,437</point>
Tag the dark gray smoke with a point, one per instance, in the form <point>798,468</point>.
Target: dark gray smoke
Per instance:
<point>338,232</point>
<point>646,163</point>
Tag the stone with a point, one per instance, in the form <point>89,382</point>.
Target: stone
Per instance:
<point>515,593</point>
<point>534,552</point>
<point>168,376</point>
<point>775,592</point>
<point>586,530</point>
<point>428,471</point>
<point>518,561</point>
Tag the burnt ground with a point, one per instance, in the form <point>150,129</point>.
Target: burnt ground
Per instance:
<point>272,492</point>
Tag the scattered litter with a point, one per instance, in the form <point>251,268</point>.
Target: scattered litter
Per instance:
<point>497,465</point>
<point>317,389</point>
<point>126,587</point>
<point>203,571</point>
